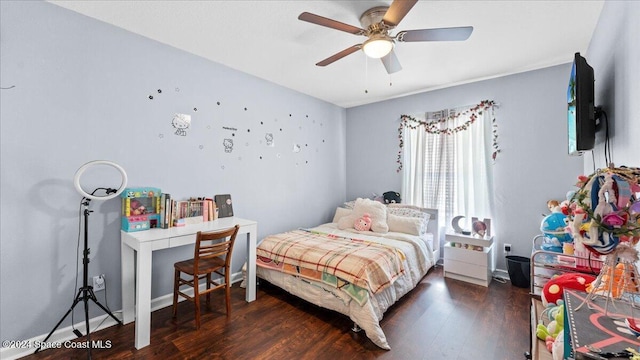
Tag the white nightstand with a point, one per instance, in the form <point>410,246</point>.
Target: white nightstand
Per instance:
<point>471,260</point>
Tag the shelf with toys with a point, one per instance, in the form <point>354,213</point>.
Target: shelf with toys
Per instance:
<point>545,264</point>
<point>588,247</point>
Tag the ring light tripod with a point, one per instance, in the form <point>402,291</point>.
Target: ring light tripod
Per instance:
<point>85,293</point>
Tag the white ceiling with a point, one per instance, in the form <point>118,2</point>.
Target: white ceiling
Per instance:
<point>265,39</point>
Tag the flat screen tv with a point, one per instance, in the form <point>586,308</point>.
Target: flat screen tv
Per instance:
<point>581,119</point>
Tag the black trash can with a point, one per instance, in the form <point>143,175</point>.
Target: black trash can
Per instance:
<point>519,270</point>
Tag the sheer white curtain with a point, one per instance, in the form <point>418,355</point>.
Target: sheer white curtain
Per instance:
<point>448,167</point>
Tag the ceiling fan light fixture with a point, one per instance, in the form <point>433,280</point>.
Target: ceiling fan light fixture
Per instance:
<point>377,46</point>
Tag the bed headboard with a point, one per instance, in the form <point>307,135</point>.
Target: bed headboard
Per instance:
<point>433,227</point>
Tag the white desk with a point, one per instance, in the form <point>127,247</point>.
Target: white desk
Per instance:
<point>145,242</point>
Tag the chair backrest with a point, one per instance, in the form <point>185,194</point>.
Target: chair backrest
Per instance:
<point>215,244</point>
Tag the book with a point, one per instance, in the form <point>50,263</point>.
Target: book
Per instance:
<point>224,205</point>
<point>167,211</point>
<point>590,327</point>
<point>205,210</point>
<point>163,210</point>
<point>213,213</point>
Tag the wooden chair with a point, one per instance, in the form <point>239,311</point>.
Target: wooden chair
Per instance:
<point>212,255</point>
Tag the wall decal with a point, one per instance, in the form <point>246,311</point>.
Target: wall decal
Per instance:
<point>228,145</point>
<point>269,138</point>
<point>296,148</point>
<point>161,136</point>
<point>159,92</point>
<point>201,147</point>
<point>181,122</point>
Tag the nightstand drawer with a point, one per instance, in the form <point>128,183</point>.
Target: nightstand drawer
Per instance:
<point>466,255</point>
<point>466,269</point>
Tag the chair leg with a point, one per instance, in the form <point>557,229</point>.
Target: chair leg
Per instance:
<point>176,279</point>
<point>196,298</point>
<point>227,288</point>
<point>208,287</point>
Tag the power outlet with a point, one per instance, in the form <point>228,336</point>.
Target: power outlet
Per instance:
<point>98,282</point>
<point>507,248</point>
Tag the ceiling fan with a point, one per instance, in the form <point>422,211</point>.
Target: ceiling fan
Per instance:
<point>376,24</point>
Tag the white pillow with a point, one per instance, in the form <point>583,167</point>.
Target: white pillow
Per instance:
<point>341,212</point>
<point>407,225</point>
<point>376,210</point>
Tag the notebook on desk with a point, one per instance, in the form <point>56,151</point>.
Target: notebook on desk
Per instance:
<point>224,204</point>
<point>592,327</point>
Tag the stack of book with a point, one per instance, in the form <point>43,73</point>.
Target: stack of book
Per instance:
<point>184,212</point>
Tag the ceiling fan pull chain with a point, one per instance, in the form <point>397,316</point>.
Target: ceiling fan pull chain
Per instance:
<point>366,75</point>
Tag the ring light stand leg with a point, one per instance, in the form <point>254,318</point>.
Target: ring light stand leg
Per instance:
<point>85,293</point>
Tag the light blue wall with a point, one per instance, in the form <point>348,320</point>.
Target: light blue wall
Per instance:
<point>532,167</point>
<point>81,94</point>
<point>614,54</point>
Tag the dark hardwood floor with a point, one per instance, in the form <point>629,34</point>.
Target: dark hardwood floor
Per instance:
<point>440,319</point>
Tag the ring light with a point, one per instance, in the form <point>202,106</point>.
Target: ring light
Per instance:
<point>83,168</point>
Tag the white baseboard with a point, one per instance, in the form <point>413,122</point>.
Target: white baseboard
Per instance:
<point>95,324</point>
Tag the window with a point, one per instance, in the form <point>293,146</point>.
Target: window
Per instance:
<point>446,157</point>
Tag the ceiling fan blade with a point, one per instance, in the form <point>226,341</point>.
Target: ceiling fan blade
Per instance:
<point>339,55</point>
<point>391,62</point>
<point>323,21</point>
<point>397,11</point>
<point>440,34</point>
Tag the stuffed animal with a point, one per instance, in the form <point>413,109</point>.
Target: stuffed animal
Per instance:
<point>554,288</point>
<point>392,197</point>
<point>551,331</point>
<point>137,208</point>
<point>557,348</point>
<point>553,205</point>
<point>363,223</point>
<point>622,282</point>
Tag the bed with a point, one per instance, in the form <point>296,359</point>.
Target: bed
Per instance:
<point>356,273</point>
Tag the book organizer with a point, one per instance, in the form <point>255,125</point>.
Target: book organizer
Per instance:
<point>147,208</point>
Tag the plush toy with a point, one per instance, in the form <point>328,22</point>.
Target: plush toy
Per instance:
<point>553,205</point>
<point>137,208</point>
<point>622,282</point>
<point>392,197</point>
<point>554,288</point>
<point>553,329</point>
<point>557,348</point>
<point>363,223</point>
